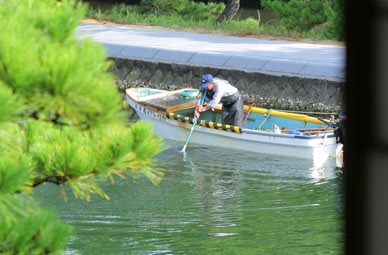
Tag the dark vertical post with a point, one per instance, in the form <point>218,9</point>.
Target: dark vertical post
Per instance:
<point>366,155</point>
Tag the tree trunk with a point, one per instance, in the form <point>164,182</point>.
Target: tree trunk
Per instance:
<point>229,11</point>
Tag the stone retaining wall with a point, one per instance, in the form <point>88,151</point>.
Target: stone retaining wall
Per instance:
<point>267,90</point>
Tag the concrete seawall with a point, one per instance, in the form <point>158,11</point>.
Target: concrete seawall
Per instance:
<point>272,90</point>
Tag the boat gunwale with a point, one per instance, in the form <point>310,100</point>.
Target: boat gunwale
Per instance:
<point>322,134</point>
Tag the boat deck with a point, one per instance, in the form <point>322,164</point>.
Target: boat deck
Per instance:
<point>171,100</point>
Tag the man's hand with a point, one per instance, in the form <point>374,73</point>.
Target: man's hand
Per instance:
<point>196,113</point>
<point>199,109</point>
<point>203,108</point>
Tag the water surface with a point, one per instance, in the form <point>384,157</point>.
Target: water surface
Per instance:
<point>212,201</point>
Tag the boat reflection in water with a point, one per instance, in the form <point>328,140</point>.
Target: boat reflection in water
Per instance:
<point>315,170</point>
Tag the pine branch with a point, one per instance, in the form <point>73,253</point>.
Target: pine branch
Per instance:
<point>58,180</point>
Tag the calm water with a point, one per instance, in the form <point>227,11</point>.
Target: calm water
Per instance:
<point>212,202</point>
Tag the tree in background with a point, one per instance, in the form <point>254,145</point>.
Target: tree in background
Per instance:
<point>60,122</point>
<point>230,10</point>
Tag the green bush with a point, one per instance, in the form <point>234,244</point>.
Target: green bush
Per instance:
<point>335,27</point>
<point>201,11</point>
<point>162,6</point>
<point>323,19</point>
<point>249,26</point>
<point>298,15</point>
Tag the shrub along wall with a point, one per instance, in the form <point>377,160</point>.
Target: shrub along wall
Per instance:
<point>267,90</point>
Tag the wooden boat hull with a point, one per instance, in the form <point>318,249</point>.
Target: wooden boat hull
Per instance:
<point>316,147</point>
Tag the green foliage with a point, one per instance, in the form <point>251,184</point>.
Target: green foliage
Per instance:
<point>39,232</point>
<point>335,27</point>
<point>201,11</point>
<point>202,17</point>
<point>61,121</point>
<point>298,15</point>
<point>162,6</point>
<point>51,74</point>
<point>325,17</point>
<point>11,104</point>
<point>248,26</point>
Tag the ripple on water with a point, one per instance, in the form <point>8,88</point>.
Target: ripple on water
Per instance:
<point>211,201</point>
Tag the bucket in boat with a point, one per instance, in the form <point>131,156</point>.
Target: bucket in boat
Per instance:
<point>189,92</point>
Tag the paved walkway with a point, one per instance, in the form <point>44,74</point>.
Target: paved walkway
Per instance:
<point>249,54</point>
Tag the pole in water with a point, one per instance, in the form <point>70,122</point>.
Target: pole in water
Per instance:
<point>192,127</point>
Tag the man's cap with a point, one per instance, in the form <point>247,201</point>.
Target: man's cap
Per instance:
<point>206,80</point>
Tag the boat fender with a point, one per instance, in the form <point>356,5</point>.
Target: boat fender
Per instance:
<point>204,123</point>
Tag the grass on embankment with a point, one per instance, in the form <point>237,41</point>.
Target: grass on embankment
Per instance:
<point>129,14</point>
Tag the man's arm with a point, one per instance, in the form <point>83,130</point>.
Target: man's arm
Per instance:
<point>219,91</point>
<point>200,108</point>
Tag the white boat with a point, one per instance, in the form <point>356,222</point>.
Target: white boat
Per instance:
<point>295,135</point>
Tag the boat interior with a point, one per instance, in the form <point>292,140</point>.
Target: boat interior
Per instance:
<point>255,118</point>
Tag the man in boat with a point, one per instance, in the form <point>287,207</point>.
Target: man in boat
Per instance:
<point>221,91</point>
